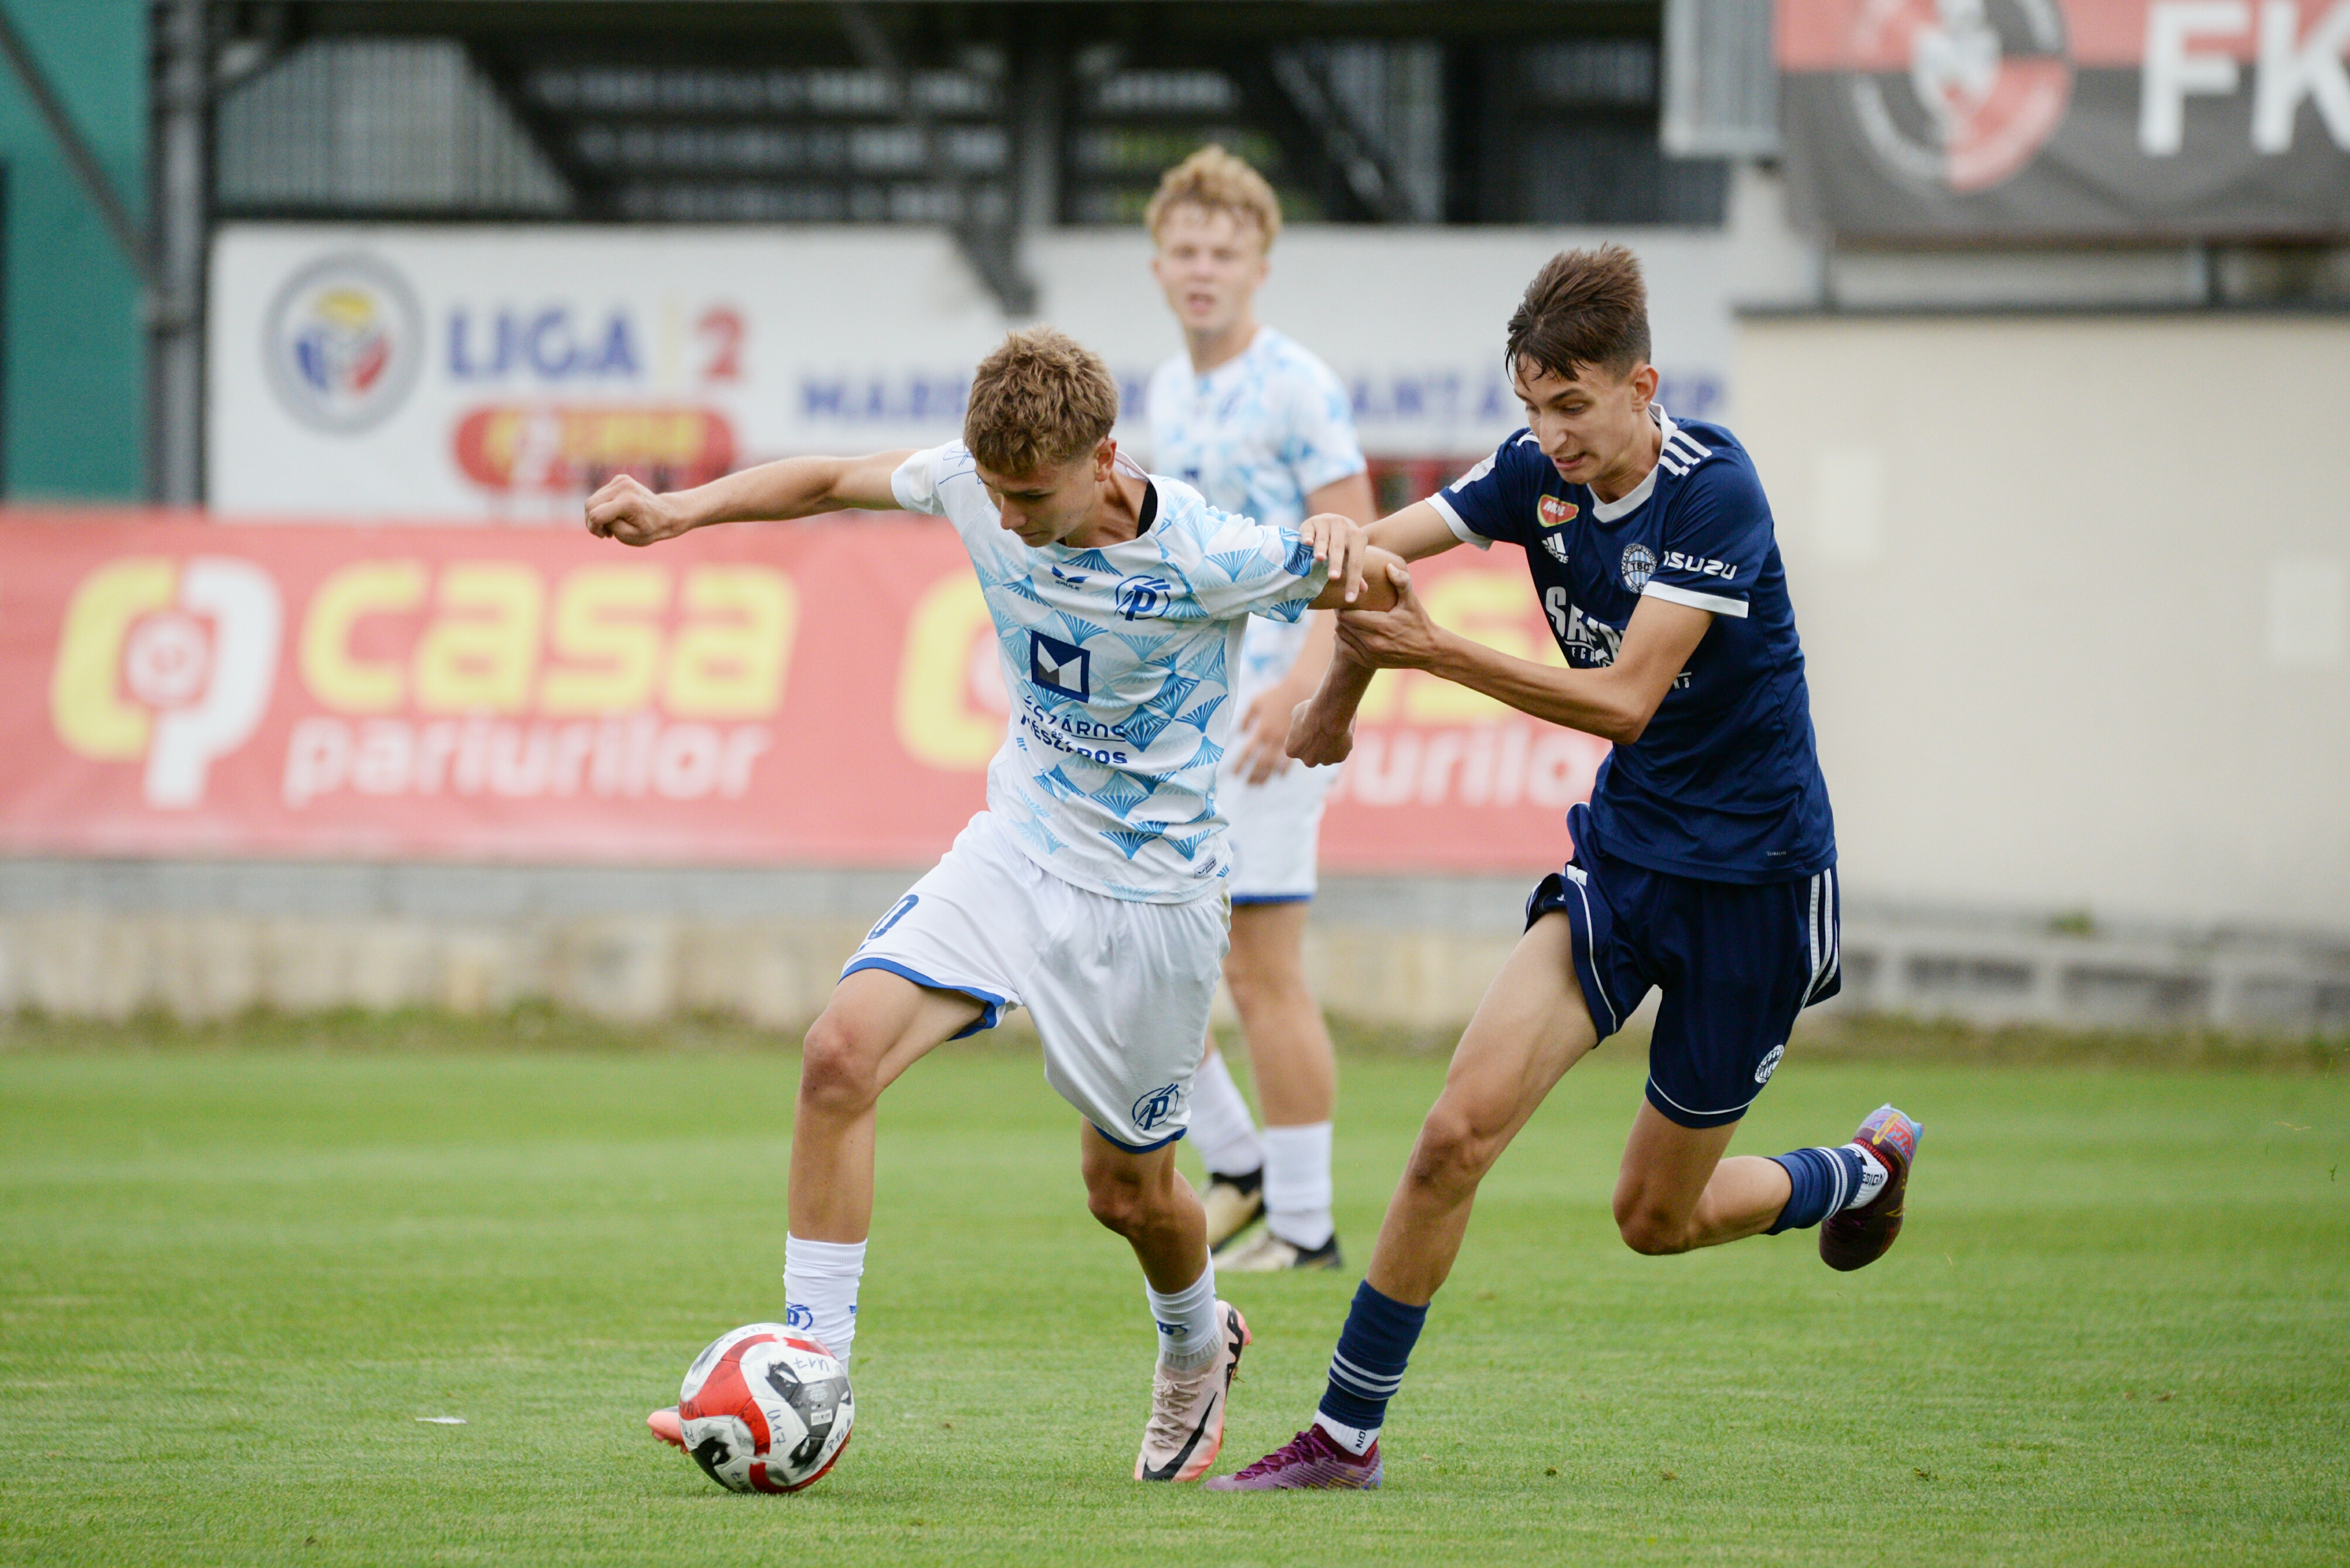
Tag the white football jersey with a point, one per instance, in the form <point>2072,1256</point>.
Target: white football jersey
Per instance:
<point>1256,435</point>
<point>1118,661</point>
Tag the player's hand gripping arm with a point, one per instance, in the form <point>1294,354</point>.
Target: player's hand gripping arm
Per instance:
<point>1615,702</point>
<point>624,509</point>
<point>1322,731</point>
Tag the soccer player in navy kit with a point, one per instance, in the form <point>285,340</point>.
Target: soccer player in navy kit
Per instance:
<point>1704,865</point>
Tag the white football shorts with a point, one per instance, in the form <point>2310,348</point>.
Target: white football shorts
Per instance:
<point>1120,990</point>
<point>1275,836</point>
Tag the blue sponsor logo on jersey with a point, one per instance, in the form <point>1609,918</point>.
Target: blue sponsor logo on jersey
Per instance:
<point>1060,666</point>
<point>1141,597</point>
<point>1301,560</point>
<point>1158,1106</point>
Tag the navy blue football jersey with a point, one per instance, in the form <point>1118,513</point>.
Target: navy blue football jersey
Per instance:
<point>1725,784</point>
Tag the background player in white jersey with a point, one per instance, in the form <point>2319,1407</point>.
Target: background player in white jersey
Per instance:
<point>1264,429</point>
<point>1091,890</point>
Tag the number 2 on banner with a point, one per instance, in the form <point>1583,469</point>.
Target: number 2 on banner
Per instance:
<point>721,328</point>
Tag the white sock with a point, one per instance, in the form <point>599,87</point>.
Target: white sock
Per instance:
<point>1187,1321</point>
<point>820,1289</point>
<point>1356,1441</point>
<point>1297,1184</point>
<point>1872,1176</point>
<point>1221,1129</point>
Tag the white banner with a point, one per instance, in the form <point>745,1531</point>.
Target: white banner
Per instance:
<point>498,373</point>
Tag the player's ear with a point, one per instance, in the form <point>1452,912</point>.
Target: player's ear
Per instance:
<point>1644,383</point>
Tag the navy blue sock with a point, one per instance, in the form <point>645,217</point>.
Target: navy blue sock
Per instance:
<point>1368,1366</point>
<point>1823,1180</point>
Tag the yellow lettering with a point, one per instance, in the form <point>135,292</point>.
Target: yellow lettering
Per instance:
<point>605,627</point>
<point>732,666</point>
<point>84,703</point>
<point>345,683</point>
<point>482,655</point>
<point>937,723</point>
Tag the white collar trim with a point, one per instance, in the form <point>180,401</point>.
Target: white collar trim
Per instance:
<point>1638,496</point>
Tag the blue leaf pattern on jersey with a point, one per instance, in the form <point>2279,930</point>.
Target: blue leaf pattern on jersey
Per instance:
<point>1187,845</point>
<point>1035,831</point>
<point>1121,794</point>
<point>1130,839</point>
<point>1198,717</point>
<point>1232,563</point>
<point>1144,726</point>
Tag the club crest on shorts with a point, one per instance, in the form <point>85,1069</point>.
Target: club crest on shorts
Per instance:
<point>1769,1065</point>
<point>1552,510</point>
<point>1640,561</point>
<point>1158,1106</point>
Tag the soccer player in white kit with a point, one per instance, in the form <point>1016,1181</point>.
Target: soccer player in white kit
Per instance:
<point>1264,429</point>
<point>1091,890</point>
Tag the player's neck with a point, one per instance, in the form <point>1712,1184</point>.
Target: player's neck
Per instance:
<point>1209,349</point>
<point>1624,478</point>
<point>1116,518</point>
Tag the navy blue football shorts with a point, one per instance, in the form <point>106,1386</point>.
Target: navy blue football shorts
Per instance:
<point>1736,962</point>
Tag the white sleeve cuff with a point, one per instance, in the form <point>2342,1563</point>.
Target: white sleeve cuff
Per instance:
<point>913,487</point>
<point>1461,531</point>
<point>1734,609</point>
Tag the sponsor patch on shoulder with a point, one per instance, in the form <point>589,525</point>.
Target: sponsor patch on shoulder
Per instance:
<point>1554,509</point>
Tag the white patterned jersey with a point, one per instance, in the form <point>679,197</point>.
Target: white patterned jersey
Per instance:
<point>1118,661</point>
<point>1256,436</point>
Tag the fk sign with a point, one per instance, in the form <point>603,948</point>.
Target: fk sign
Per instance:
<point>819,693</point>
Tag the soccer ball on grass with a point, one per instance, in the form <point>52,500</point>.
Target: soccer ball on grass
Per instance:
<point>766,1408</point>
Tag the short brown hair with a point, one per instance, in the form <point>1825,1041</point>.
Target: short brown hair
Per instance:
<point>1041,400</point>
<point>1214,179</point>
<point>1585,308</point>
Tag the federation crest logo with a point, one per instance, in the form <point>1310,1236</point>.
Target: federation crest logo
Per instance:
<point>1770,1063</point>
<point>343,343</point>
<point>1958,95</point>
<point>1640,564</point>
<point>1156,1108</point>
<point>1142,598</point>
<point>1555,510</point>
<point>1557,544</point>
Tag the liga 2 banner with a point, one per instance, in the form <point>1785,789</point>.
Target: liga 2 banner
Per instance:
<point>2056,117</point>
<point>815,693</point>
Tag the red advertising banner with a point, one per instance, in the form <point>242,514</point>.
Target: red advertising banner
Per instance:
<point>815,693</point>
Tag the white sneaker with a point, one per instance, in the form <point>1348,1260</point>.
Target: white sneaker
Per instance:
<point>1232,1204</point>
<point>1266,1253</point>
<point>1186,1430</point>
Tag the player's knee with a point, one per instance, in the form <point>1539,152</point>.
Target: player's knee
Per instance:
<point>1649,1231</point>
<point>1452,1154</point>
<point>838,1070</point>
<point>1120,1204</point>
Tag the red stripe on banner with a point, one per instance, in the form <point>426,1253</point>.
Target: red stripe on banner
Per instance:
<point>815,693</point>
<point>1878,35</point>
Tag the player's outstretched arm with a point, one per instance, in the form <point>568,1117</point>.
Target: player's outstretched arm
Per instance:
<point>1322,729</point>
<point>1416,533</point>
<point>624,509</point>
<point>1615,702</point>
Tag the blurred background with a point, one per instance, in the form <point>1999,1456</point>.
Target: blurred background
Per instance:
<point>320,318</point>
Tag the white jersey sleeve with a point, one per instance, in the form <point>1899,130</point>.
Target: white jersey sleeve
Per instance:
<point>915,483</point>
<point>1247,568</point>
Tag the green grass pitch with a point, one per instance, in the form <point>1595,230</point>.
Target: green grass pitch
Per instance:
<point>2117,1330</point>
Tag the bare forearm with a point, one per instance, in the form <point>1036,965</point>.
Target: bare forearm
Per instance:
<point>1598,702</point>
<point>789,487</point>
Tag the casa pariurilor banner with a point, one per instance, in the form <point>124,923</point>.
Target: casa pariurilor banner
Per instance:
<point>816,694</point>
<point>2056,118</point>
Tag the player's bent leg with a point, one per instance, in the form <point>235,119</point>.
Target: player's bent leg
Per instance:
<point>1675,1192</point>
<point>1138,1194</point>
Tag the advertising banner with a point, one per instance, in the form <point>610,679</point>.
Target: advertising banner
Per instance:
<point>2059,117</point>
<point>815,693</point>
<point>499,374</point>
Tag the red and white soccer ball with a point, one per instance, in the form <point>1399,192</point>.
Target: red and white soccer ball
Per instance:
<point>766,1408</point>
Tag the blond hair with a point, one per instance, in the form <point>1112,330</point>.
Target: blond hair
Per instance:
<point>1216,179</point>
<point>1041,400</point>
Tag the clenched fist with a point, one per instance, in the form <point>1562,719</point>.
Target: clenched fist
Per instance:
<point>625,510</point>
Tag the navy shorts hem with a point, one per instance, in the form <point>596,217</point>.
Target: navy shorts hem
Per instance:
<point>1136,1147</point>
<point>1680,1116</point>
<point>1243,900</point>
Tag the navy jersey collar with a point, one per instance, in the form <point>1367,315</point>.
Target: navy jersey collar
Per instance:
<point>1638,496</point>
